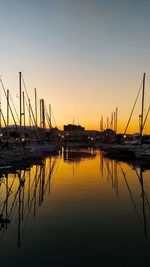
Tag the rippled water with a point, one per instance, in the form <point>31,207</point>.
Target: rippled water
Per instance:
<point>76,209</point>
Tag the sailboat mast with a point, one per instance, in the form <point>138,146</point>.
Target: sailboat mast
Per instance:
<point>0,112</point>
<point>29,114</point>
<point>24,121</point>
<point>35,106</point>
<point>50,116</point>
<point>43,114</point>
<point>116,121</point>
<point>20,98</point>
<point>7,108</point>
<point>142,111</point>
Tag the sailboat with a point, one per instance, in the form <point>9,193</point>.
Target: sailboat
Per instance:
<point>132,149</point>
<point>40,146</point>
<point>20,148</point>
<point>144,151</point>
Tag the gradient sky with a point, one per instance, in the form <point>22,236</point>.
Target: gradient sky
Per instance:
<point>85,57</point>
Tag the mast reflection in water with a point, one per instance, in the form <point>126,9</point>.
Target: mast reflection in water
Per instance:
<point>74,209</point>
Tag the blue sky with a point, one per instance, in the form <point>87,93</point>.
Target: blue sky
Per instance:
<point>84,57</point>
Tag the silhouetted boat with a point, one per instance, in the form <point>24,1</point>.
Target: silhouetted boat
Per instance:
<point>132,149</point>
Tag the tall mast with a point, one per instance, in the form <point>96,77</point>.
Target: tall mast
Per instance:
<point>40,115</point>
<point>50,122</point>
<point>7,108</point>
<point>0,112</point>
<point>20,98</point>
<point>35,106</point>
<point>24,121</point>
<point>142,111</point>
<point>29,114</point>
<point>43,114</point>
<point>116,121</point>
<point>50,116</point>
<point>10,110</point>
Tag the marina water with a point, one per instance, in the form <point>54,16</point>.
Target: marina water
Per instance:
<point>77,208</point>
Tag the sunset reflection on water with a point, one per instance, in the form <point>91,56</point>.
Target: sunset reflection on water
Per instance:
<point>75,201</point>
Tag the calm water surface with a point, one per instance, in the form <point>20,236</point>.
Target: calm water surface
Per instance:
<point>76,209</point>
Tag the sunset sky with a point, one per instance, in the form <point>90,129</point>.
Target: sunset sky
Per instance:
<point>85,57</point>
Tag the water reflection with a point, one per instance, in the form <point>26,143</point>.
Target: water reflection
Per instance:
<point>109,168</point>
<point>73,155</point>
<point>111,173</point>
<point>22,193</point>
<point>75,193</point>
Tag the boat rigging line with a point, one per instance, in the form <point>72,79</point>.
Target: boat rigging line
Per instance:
<point>133,108</point>
<point>11,112</point>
